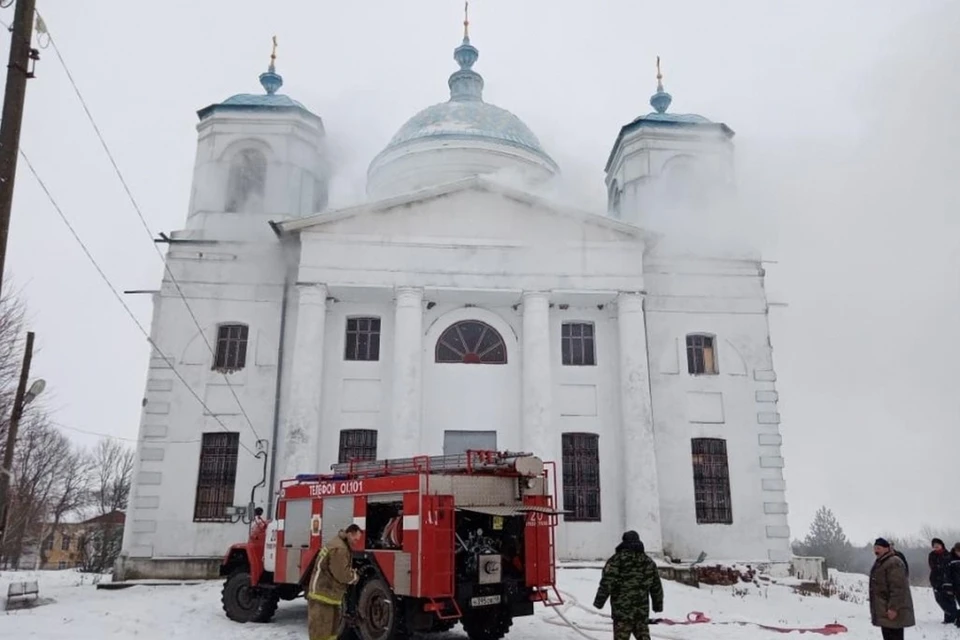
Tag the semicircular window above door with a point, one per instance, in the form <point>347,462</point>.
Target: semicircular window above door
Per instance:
<point>471,342</point>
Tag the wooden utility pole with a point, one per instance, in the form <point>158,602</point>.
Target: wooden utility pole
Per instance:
<point>18,72</point>
<point>6,473</point>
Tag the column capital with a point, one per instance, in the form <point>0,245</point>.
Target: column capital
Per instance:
<point>409,296</point>
<point>312,292</point>
<point>631,300</point>
<point>529,296</point>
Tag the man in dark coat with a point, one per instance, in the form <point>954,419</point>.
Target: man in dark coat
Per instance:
<point>891,604</point>
<point>952,586</point>
<point>630,580</point>
<point>939,561</point>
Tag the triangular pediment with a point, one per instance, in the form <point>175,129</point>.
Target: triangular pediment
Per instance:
<point>474,208</point>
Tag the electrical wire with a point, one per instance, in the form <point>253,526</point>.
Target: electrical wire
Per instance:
<point>60,425</point>
<point>119,298</point>
<point>143,221</point>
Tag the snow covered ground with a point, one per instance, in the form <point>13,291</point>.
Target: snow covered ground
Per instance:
<point>79,611</point>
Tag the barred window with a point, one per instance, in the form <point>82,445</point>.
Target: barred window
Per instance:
<point>357,444</point>
<point>577,344</point>
<point>701,354</point>
<point>217,476</point>
<point>65,541</point>
<point>581,477</point>
<point>711,481</point>
<point>363,339</point>
<point>231,354</point>
<point>471,342</point>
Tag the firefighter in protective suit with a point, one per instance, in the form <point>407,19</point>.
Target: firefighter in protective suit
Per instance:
<point>332,573</point>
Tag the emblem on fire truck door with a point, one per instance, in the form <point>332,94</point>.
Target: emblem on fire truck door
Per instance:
<point>315,525</point>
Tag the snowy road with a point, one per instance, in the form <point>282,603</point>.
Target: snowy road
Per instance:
<point>81,612</point>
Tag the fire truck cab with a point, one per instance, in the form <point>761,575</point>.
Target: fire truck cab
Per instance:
<point>465,538</point>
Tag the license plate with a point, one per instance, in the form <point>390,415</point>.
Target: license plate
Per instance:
<point>484,601</point>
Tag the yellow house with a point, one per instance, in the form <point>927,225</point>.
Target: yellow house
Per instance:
<point>63,549</point>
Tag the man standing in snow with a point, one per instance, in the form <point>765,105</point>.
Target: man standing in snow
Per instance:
<point>891,604</point>
<point>332,573</point>
<point>953,575</point>
<point>630,580</point>
<point>939,560</point>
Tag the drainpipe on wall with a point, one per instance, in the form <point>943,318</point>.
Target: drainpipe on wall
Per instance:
<point>277,392</point>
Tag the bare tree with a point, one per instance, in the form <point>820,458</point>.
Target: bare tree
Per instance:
<point>111,474</point>
<point>51,481</point>
<point>100,545</point>
<point>112,470</point>
<point>12,312</point>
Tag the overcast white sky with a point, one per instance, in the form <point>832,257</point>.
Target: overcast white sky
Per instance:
<point>848,153</point>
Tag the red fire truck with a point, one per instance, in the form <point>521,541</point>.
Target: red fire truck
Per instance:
<point>463,538</point>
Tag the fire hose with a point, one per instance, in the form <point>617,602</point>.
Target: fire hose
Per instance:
<point>694,617</point>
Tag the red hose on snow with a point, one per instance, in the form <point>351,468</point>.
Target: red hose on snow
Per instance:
<point>698,617</point>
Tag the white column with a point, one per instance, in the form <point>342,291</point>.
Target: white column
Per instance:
<point>536,436</point>
<point>407,374</point>
<point>641,484</point>
<point>302,429</point>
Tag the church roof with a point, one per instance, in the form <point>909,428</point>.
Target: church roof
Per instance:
<point>660,101</point>
<point>473,183</point>
<point>271,81</point>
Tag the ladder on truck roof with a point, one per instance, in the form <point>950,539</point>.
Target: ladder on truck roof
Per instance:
<point>525,464</point>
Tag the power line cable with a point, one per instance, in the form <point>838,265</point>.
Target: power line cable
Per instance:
<point>119,298</point>
<point>60,425</point>
<point>140,215</point>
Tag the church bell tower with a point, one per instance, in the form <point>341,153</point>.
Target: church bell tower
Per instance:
<point>666,169</point>
<point>259,157</point>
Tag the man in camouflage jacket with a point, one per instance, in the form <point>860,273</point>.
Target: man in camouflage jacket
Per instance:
<point>333,572</point>
<point>630,580</point>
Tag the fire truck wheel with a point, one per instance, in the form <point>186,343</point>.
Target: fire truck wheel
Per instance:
<point>440,626</point>
<point>377,615</point>
<point>491,625</point>
<point>244,603</point>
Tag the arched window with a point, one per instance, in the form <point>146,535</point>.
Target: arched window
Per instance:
<point>471,342</point>
<point>248,176</point>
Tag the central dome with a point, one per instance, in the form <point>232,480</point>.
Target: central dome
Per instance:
<point>462,137</point>
<point>456,119</point>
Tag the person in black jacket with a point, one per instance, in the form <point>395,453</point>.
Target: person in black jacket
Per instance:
<point>939,561</point>
<point>953,575</point>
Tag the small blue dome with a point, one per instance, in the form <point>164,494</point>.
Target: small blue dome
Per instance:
<point>271,81</point>
<point>261,100</point>
<point>683,118</point>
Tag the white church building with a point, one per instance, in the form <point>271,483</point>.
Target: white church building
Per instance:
<point>458,308</point>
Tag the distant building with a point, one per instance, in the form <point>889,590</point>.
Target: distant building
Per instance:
<point>71,545</point>
<point>459,308</point>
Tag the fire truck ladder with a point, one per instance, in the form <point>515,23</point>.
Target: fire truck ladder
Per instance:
<point>468,462</point>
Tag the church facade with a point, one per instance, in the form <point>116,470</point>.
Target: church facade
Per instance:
<point>457,308</point>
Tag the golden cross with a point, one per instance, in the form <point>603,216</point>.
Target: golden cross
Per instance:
<point>466,19</point>
<point>273,52</point>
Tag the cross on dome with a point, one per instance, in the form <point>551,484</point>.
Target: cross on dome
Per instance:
<point>661,100</point>
<point>466,85</point>
<point>270,80</point>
